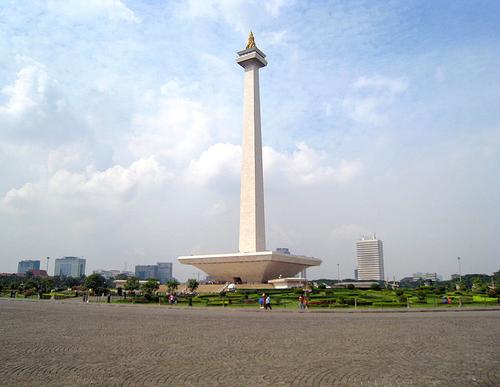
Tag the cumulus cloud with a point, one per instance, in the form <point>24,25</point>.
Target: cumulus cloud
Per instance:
<point>308,166</point>
<point>113,184</point>
<point>36,107</point>
<point>371,98</point>
<point>218,161</point>
<point>177,127</point>
<point>177,130</point>
<point>114,10</point>
<point>304,166</point>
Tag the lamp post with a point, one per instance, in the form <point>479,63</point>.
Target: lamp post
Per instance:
<point>459,269</point>
<point>338,272</point>
<point>48,265</point>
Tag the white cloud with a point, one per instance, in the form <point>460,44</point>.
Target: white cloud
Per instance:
<point>371,98</point>
<point>218,161</point>
<point>113,184</point>
<point>176,88</point>
<point>276,38</point>
<point>177,126</point>
<point>113,10</point>
<point>177,130</point>
<point>308,166</point>
<point>305,166</point>
<point>36,107</point>
<point>274,6</point>
<point>240,14</point>
<point>378,82</point>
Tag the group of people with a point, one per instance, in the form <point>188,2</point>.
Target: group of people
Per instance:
<point>265,302</point>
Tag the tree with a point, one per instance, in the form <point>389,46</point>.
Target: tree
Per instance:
<point>150,286</point>
<point>192,284</point>
<point>96,282</point>
<point>131,284</point>
<point>172,285</point>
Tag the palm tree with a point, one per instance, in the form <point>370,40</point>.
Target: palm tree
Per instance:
<point>172,285</point>
<point>192,284</point>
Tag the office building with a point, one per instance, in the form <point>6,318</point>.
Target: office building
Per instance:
<point>69,267</point>
<point>27,265</point>
<point>164,272</point>
<point>370,259</point>
<point>145,272</point>
<point>112,273</point>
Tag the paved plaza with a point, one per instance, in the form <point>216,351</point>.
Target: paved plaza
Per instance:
<point>68,343</point>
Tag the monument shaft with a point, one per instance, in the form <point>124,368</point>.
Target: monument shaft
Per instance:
<point>252,221</point>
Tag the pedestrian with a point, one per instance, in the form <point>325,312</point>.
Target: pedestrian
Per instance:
<point>261,302</point>
<point>268,303</point>
<point>264,300</point>
<point>301,302</point>
<point>306,301</point>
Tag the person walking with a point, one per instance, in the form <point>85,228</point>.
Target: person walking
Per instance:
<point>264,300</point>
<point>261,302</point>
<point>301,302</point>
<point>268,303</point>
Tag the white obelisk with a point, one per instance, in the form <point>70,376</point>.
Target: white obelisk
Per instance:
<point>252,222</point>
<point>253,263</point>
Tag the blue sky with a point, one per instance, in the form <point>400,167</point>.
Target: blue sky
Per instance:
<point>120,125</point>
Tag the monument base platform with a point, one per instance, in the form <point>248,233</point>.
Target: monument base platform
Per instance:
<point>259,267</point>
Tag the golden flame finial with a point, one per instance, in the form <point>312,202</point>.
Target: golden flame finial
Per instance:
<point>251,41</point>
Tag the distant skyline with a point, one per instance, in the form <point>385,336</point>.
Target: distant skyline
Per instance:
<point>121,124</point>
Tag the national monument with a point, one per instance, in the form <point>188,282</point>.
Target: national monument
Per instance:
<point>253,263</point>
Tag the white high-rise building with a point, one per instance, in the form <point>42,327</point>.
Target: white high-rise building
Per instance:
<point>370,257</point>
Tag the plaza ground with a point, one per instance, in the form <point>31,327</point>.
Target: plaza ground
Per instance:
<point>72,343</point>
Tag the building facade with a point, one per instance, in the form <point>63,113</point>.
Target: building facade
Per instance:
<point>69,266</point>
<point>164,272</point>
<point>145,272</point>
<point>112,273</point>
<point>26,265</point>
<point>370,257</point>
<point>426,277</point>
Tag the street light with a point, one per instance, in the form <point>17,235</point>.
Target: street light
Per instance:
<point>338,271</point>
<point>459,269</point>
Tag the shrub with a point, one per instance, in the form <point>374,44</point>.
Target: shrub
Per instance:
<point>389,304</point>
